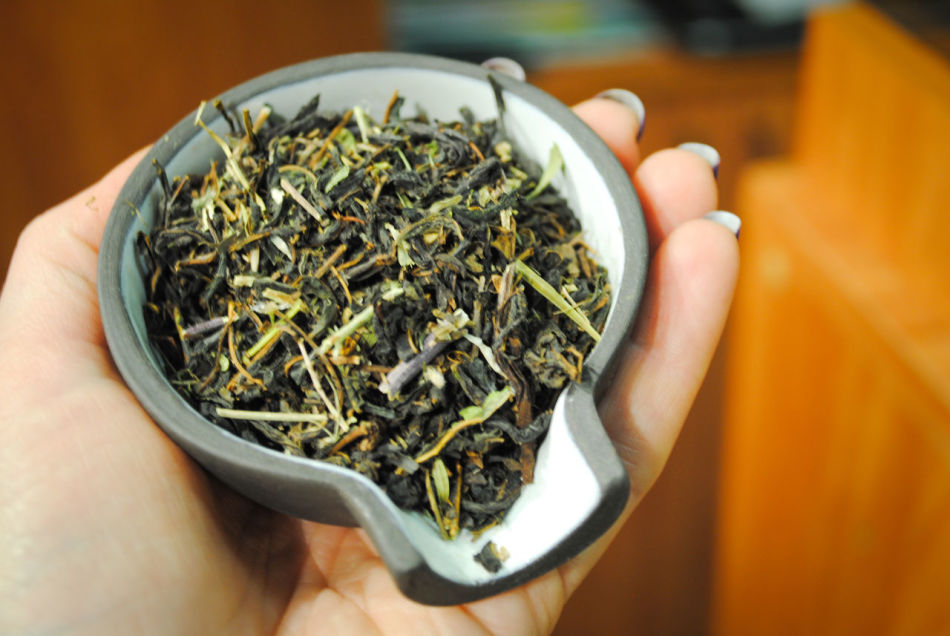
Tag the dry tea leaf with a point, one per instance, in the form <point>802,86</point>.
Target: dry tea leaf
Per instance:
<point>403,297</point>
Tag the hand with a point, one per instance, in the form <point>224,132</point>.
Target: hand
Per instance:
<point>107,527</point>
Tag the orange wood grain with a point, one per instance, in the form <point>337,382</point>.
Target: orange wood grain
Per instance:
<point>88,83</point>
<point>873,130</point>
<point>835,489</point>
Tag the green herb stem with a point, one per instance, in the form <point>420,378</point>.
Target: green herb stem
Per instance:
<point>270,416</point>
<point>272,333</point>
<point>354,323</point>
<point>545,289</point>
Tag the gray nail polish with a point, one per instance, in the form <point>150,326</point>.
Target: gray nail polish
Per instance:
<point>707,152</point>
<point>505,66</point>
<point>631,101</point>
<point>726,219</point>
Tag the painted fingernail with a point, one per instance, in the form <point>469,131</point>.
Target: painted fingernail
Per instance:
<point>505,66</point>
<point>726,219</point>
<point>710,154</point>
<point>631,101</point>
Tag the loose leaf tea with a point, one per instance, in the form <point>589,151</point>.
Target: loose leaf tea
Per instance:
<point>405,298</point>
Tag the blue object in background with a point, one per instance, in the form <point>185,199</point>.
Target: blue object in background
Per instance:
<point>534,32</point>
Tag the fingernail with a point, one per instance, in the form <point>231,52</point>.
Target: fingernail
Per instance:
<point>505,66</point>
<point>726,219</point>
<point>710,154</point>
<point>631,101</point>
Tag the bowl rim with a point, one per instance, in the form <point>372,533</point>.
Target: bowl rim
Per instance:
<point>214,447</point>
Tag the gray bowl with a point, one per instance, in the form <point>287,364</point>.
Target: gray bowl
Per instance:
<point>580,485</point>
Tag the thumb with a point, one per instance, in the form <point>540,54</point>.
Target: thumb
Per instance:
<point>50,292</point>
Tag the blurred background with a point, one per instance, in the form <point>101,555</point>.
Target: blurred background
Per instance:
<point>810,490</point>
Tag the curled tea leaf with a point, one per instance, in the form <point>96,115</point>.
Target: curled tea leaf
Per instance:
<point>471,415</point>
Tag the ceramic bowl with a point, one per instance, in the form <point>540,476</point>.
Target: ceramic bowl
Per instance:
<point>580,485</point>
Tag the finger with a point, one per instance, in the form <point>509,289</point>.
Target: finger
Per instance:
<point>617,116</point>
<point>676,185</point>
<point>690,289</point>
<point>691,286</point>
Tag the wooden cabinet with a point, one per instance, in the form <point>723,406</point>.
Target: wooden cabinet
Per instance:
<point>835,488</point>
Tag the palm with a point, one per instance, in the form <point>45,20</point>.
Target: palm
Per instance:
<point>209,554</point>
<point>127,531</point>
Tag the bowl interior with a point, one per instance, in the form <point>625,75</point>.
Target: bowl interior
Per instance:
<point>565,489</point>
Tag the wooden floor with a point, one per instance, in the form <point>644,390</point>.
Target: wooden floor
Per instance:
<point>88,83</point>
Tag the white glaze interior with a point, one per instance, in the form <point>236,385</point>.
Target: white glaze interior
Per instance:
<point>564,491</point>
